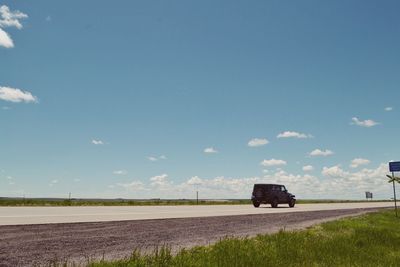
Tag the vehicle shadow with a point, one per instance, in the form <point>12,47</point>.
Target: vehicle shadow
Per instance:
<point>266,207</point>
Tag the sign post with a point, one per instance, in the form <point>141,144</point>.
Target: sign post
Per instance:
<point>394,167</point>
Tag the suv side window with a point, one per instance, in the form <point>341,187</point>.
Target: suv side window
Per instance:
<point>283,189</point>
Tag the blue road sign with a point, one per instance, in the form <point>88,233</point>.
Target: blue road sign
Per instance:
<point>394,166</point>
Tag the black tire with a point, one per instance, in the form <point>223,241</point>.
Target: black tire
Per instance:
<point>274,203</point>
<point>256,204</point>
<point>292,203</point>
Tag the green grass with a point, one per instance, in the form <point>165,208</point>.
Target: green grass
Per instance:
<point>151,202</point>
<point>369,240</point>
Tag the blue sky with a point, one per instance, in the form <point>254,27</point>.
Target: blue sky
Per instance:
<point>124,99</point>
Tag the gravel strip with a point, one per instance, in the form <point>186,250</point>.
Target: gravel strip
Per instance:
<point>40,245</point>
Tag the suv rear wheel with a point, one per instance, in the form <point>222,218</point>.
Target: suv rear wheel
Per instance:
<point>274,203</point>
<point>256,204</point>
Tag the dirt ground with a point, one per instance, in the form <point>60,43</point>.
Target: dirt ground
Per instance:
<point>40,245</point>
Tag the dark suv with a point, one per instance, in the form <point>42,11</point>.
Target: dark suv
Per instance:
<point>273,194</point>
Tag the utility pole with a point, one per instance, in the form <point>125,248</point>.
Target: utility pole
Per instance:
<point>394,193</point>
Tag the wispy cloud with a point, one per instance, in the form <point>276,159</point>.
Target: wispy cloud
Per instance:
<point>363,123</point>
<point>273,162</point>
<point>16,95</point>
<point>9,18</point>
<point>133,186</point>
<point>97,142</point>
<point>255,142</point>
<point>319,152</point>
<point>290,134</point>
<point>120,172</point>
<point>210,150</point>
<point>358,162</point>
<point>53,182</point>
<point>308,168</point>
<point>155,158</point>
<point>388,108</point>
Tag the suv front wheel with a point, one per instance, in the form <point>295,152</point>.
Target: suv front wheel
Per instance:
<point>256,204</point>
<point>292,203</point>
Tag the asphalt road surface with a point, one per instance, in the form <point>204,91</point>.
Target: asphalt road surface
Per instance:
<point>45,244</point>
<point>44,215</point>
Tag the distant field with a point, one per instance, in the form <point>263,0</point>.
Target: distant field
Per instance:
<point>146,202</point>
<point>368,240</point>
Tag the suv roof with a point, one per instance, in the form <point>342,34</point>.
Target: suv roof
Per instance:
<point>268,184</point>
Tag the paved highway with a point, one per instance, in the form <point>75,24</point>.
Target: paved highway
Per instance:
<point>44,215</point>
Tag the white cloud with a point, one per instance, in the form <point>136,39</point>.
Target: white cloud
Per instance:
<point>336,183</point>
<point>160,181</point>
<point>5,40</point>
<point>53,182</point>
<point>334,171</point>
<point>152,158</point>
<point>359,161</point>
<point>120,172</point>
<point>97,142</point>
<point>77,180</point>
<point>210,150</point>
<point>9,18</point>
<point>133,186</point>
<point>48,18</point>
<point>319,152</point>
<point>257,142</point>
<point>365,123</point>
<point>371,179</point>
<point>220,187</point>
<point>5,108</point>
<point>308,168</point>
<point>195,180</point>
<point>16,95</point>
<point>388,108</point>
<point>290,134</point>
<point>273,162</point>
